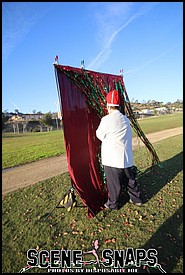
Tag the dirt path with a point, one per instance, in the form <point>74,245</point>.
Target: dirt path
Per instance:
<point>28,174</point>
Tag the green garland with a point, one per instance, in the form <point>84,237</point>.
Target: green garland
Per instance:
<point>135,125</point>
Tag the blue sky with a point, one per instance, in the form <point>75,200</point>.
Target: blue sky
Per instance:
<point>145,39</point>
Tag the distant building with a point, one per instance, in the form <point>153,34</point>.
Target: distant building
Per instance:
<point>27,117</point>
<point>161,110</point>
<point>146,112</point>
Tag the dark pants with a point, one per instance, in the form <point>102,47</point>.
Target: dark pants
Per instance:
<point>118,178</point>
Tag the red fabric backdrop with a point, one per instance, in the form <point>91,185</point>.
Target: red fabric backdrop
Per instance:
<point>80,121</point>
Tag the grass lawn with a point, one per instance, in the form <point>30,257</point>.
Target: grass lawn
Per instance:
<point>157,224</point>
<point>18,149</point>
<point>160,123</point>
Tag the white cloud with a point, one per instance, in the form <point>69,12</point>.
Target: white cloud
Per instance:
<point>17,20</point>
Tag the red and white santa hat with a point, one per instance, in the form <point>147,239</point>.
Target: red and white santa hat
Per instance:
<point>112,98</point>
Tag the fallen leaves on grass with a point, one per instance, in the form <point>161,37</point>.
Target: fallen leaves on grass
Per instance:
<point>14,238</point>
<point>72,225</point>
<point>113,240</point>
<point>75,232</point>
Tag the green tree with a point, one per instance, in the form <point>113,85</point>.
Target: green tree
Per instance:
<point>4,119</point>
<point>47,120</point>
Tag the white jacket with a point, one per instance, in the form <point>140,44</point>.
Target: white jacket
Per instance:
<point>115,132</point>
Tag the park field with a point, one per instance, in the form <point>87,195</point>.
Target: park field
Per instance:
<point>157,224</point>
<point>18,149</point>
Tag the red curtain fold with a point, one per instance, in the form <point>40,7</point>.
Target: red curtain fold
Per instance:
<point>80,121</point>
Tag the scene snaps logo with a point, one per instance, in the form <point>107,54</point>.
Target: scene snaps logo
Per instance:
<point>94,260</point>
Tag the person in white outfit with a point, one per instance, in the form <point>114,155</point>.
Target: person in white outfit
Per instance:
<point>115,132</point>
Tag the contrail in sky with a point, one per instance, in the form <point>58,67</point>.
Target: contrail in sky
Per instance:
<point>109,42</point>
<point>15,105</point>
<point>105,52</point>
<point>133,71</point>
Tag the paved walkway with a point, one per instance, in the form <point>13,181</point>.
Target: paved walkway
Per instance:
<point>28,174</point>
